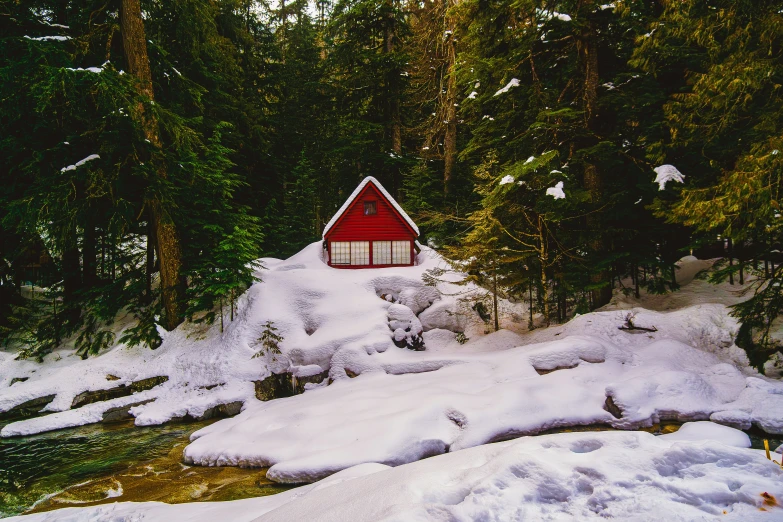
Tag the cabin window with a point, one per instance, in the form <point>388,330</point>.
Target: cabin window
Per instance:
<point>360,253</point>
<point>370,208</point>
<point>401,252</point>
<point>341,253</point>
<point>381,252</point>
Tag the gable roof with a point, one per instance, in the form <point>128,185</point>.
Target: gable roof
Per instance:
<point>355,194</point>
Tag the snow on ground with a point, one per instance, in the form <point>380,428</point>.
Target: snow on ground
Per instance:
<point>707,475</point>
<point>319,311</point>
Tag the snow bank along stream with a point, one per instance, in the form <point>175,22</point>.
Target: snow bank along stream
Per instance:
<point>704,472</point>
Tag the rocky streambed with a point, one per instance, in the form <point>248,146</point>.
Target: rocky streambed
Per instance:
<point>104,463</point>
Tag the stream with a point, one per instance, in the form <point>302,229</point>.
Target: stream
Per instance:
<point>104,463</point>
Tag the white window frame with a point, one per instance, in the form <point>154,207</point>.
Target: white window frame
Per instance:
<point>381,252</point>
<point>360,253</point>
<point>401,253</point>
<point>341,252</point>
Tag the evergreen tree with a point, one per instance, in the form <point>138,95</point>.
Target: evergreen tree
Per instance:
<point>726,126</point>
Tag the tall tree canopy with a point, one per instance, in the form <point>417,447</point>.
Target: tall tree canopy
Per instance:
<point>153,150</point>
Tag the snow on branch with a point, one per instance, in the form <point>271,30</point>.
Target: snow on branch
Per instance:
<point>513,83</point>
<point>48,38</point>
<point>666,173</point>
<point>556,191</point>
<point>80,163</point>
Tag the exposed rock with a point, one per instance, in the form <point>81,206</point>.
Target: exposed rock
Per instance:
<point>122,390</point>
<point>285,384</point>
<point>544,371</point>
<point>221,410</point>
<point>273,387</point>
<point>89,397</point>
<point>31,408</point>
<point>612,408</point>
<point>147,384</point>
<point>310,379</point>
<point>121,413</point>
<point>111,377</point>
<point>18,379</point>
<point>215,412</point>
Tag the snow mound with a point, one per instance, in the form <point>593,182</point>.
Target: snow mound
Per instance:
<point>695,431</point>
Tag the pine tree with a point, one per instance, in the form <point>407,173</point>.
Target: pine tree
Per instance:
<point>727,124</point>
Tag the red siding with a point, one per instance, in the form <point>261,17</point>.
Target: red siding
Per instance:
<point>386,225</point>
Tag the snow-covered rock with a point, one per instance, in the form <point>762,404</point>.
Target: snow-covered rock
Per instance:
<point>445,314</point>
<point>418,298</point>
<point>696,431</point>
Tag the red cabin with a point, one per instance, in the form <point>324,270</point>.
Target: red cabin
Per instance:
<point>370,231</point>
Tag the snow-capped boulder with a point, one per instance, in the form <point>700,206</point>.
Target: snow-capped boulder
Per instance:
<point>406,327</point>
<point>443,314</point>
<point>418,299</point>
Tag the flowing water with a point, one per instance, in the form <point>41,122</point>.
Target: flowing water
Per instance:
<point>106,463</point>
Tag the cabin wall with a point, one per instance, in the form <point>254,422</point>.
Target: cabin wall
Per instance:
<point>411,256</point>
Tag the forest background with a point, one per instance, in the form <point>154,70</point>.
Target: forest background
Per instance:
<point>152,150</point>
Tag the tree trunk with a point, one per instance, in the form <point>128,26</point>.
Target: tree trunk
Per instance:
<point>587,46</point>
<point>72,278</point>
<point>544,293</point>
<point>530,290</point>
<point>543,256</point>
<point>166,236</point>
<point>150,268</point>
<point>731,260</point>
<point>741,262</point>
<point>283,29</point>
<point>450,138</point>
<point>636,280</point>
<point>495,292</point>
<point>90,255</point>
<point>394,101</point>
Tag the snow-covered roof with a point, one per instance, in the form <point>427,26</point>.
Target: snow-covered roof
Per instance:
<point>355,194</point>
